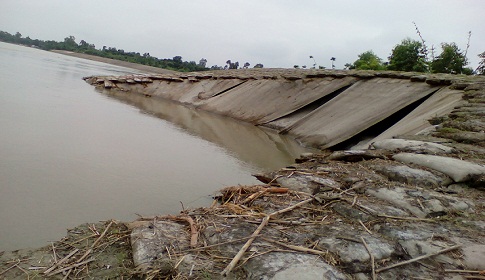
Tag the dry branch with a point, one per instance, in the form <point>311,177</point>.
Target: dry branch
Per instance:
<point>95,243</point>
<point>366,229</point>
<point>248,243</point>
<point>372,259</point>
<point>10,268</point>
<point>219,244</point>
<point>61,261</point>
<point>70,267</point>
<point>194,233</point>
<point>406,218</point>
<point>296,247</point>
<point>419,258</point>
<point>465,271</point>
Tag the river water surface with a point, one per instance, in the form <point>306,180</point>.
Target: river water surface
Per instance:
<point>70,154</point>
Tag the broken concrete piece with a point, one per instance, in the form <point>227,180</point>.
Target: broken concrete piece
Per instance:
<point>411,146</point>
<point>283,266</point>
<point>416,248</point>
<point>345,210</point>
<point>297,183</point>
<point>474,257</point>
<point>458,170</point>
<point>326,182</point>
<point>149,241</point>
<point>408,175</point>
<point>354,254</point>
<point>435,208</point>
<point>398,197</point>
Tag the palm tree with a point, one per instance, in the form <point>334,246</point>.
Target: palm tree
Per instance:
<point>333,60</point>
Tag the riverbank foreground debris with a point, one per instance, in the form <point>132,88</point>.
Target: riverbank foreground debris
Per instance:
<point>341,215</point>
<point>410,207</point>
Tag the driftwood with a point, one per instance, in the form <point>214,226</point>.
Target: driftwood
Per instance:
<point>194,233</point>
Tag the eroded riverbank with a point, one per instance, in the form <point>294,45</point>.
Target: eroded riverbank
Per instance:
<point>402,209</point>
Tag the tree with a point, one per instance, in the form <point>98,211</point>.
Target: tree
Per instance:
<point>259,65</point>
<point>451,60</point>
<point>409,55</point>
<point>70,42</point>
<point>481,65</point>
<point>246,65</point>
<point>202,62</point>
<point>231,65</point>
<point>367,61</point>
<point>18,37</point>
<point>84,45</point>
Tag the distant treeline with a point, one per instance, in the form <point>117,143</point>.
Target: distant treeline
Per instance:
<point>69,44</point>
<point>409,55</point>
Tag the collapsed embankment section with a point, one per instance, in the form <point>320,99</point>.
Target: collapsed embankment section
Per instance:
<point>320,108</point>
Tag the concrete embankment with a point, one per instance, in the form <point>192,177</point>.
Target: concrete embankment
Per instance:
<point>320,108</point>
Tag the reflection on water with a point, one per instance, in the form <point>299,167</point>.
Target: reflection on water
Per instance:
<point>259,147</point>
<point>70,155</point>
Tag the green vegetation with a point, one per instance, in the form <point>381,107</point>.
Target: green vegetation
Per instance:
<point>408,56</point>
<point>451,60</point>
<point>412,56</point>
<point>69,44</point>
<point>368,61</point>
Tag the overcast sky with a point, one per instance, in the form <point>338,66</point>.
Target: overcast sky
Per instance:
<point>276,33</point>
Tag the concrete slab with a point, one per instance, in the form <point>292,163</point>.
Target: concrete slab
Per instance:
<point>440,103</point>
<point>364,104</point>
<point>261,101</point>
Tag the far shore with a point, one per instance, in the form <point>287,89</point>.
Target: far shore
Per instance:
<point>141,67</point>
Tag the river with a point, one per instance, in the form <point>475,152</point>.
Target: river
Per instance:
<point>70,154</point>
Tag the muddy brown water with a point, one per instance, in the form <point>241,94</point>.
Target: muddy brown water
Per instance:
<point>70,154</point>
